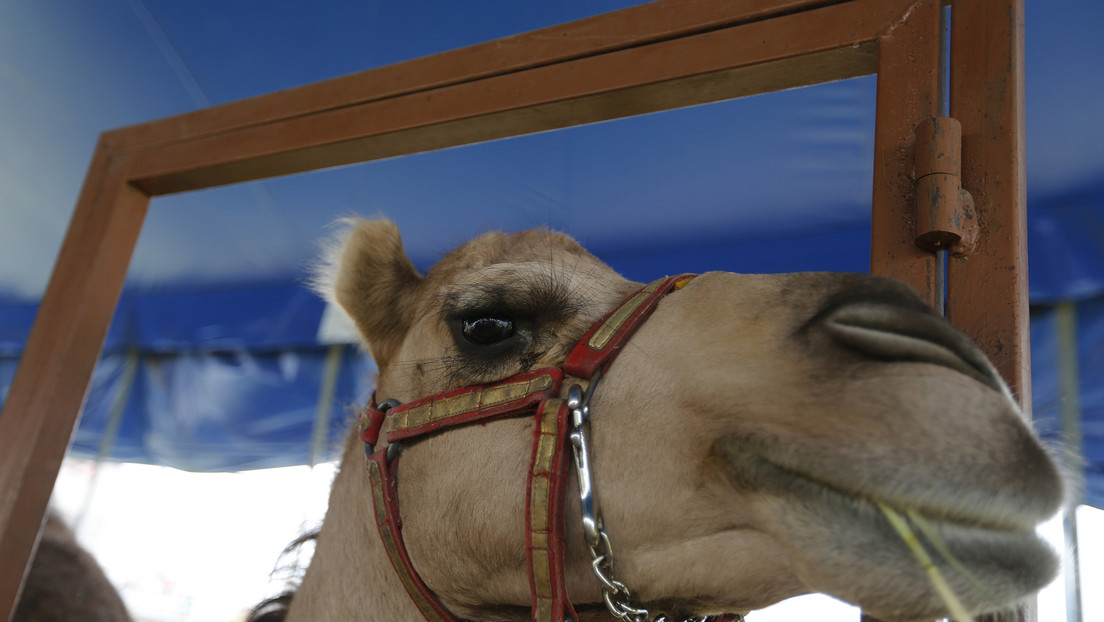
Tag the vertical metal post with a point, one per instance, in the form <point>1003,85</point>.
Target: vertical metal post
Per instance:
<point>49,387</point>
<point>944,111</point>
<point>111,431</point>
<point>987,291</point>
<point>1069,375</point>
<point>325,402</point>
<point>908,93</point>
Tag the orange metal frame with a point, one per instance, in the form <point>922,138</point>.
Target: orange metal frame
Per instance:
<point>654,57</point>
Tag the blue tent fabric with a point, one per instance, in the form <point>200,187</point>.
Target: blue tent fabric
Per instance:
<point>217,404</point>
<point>215,304</point>
<point>255,318</point>
<point>219,411</point>
<point>1066,245</point>
<point>1047,398</point>
<point>226,380</point>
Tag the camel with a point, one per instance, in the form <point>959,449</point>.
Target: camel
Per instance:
<point>745,445</point>
<point>65,583</point>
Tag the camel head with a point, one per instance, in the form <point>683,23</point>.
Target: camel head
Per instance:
<point>743,443</point>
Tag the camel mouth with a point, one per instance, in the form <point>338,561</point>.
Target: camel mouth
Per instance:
<point>897,333</point>
<point>754,469</point>
<point>990,558</point>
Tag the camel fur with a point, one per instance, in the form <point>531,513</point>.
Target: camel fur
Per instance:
<point>740,442</point>
<point>65,584</point>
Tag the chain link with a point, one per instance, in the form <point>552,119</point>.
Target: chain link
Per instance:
<point>616,595</point>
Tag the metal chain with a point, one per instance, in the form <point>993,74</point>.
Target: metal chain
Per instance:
<point>617,596</point>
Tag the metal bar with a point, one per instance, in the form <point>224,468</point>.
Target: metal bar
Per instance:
<point>987,291</point>
<point>941,281</point>
<point>944,58</point>
<point>826,43</point>
<point>1072,565</point>
<point>118,406</point>
<point>1065,317</point>
<point>110,433</point>
<point>633,27</point>
<point>325,402</point>
<point>908,93</point>
<point>46,394</point>
<point>944,111</point>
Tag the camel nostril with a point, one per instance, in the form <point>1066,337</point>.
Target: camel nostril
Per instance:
<point>895,333</point>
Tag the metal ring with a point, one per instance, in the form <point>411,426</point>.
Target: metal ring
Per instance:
<point>392,451</point>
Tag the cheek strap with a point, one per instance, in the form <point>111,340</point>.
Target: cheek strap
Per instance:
<point>526,394</point>
<point>534,394</point>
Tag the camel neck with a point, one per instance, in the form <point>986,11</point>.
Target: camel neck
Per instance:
<point>350,576</point>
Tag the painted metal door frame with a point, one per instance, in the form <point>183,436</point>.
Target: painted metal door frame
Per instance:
<point>654,57</point>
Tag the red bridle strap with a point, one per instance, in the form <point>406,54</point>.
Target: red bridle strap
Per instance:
<point>515,395</point>
<point>602,343</point>
<point>544,513</point>
<point>530,393</point>
<point>508,398</point>
<point>525,393</point>
<point>385,497</point>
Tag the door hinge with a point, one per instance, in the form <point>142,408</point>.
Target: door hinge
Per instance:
<point>945,215</point>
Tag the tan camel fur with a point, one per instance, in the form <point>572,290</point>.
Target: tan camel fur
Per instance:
<point>65,584</point>
<point>739,442</point>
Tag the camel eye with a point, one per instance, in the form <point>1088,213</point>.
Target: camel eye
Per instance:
<point>485,331</point>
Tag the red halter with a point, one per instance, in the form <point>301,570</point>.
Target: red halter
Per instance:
<point>531,393</point>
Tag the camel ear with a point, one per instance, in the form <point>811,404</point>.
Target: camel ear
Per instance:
<point>372,279</point>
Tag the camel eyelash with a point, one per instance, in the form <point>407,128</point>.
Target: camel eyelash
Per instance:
<point>541,301</point>
<point>464,369</point>
<point>536,306</point>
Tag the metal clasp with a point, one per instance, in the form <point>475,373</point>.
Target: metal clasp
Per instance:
<point>616,595</point>
<point>580,418</point>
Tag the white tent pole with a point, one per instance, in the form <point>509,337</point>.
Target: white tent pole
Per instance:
<point>111,430</point>
<point>325,403</point>
<point>1066,320</point>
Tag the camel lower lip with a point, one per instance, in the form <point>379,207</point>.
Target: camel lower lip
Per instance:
<point>988,564</point>
<point>974,538</point>
<point>754,471</point>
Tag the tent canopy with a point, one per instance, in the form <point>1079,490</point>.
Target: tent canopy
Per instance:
<point>224,334</point>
